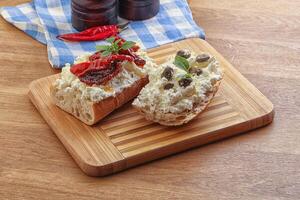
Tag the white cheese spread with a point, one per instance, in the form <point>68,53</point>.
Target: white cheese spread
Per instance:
<point>68,83</point>
<point>157,100</point>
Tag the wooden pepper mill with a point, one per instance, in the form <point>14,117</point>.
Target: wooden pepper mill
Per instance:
<point>138,9</point>
<point>90,13</point>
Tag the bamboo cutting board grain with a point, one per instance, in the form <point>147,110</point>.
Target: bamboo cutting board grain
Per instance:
<point>125,139</point>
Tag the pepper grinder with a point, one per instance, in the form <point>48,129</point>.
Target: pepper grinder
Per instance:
<point>90,13</point>
<point>138,9</point>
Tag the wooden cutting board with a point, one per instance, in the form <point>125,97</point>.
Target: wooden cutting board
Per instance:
<point>125,139</point>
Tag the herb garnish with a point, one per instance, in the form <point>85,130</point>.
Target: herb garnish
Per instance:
<point>114,47</point>
<point>183,63</point>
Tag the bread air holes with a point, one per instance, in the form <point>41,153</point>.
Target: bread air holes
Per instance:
<point>77,113</point>
<point>61,98</point>
<point>77,101</point>
<point>88,116</point>
<point>147,107</point>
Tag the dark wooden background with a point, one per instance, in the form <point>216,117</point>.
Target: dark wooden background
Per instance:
<point>260,38</point>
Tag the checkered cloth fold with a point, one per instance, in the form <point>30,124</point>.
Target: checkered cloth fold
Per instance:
<point>43,20</point>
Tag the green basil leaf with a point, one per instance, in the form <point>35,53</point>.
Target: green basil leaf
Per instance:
<point>182,63</point>
<point>110,40</point>
<point>115,48</point>
<point>102,47</point>
<point>127,45</point>
<point>106,53</point>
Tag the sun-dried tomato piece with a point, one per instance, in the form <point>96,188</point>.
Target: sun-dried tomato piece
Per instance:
<point>139,62</point>
<point>100,71</point>
<point>80,68</point>
<point>121,40</point>
<point>135,48</point>
<point>100,64</point>
<point>100,76</point>
<point>95,56</point>
<point>136,59</point>
<point>121,58</point>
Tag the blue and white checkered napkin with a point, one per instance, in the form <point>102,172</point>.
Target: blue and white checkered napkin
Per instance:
<point>45,19</point>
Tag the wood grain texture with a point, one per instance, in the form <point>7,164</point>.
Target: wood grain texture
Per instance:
<point>125,138</point>
<point>260,38</point>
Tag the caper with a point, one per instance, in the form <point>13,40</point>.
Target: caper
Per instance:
<point>195,70</point>
<point>202,58</point>
<point>168,86</point>
<point>185,82</point>
<point>185,53</point>
<point>168,73</point>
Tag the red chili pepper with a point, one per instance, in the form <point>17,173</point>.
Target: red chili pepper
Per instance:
<point>94,33</point>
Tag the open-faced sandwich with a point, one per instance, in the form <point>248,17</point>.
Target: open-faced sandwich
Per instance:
<point>98,84</point>
<point>180,89</point>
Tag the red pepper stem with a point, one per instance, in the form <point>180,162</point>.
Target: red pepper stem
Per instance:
<point>123,26</point>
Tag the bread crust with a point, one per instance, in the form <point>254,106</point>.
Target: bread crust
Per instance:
<point>94,112</point>
<point>171,119</point>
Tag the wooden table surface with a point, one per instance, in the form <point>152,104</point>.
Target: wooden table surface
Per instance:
<point>260,38</point>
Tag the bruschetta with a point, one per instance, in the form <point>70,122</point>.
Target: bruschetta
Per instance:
<point>98,84</point>
<point>180,89</point>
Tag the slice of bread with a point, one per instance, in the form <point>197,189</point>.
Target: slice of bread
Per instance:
<point>91,112</point>
<point>180,89</point>
<point>172,119</point>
